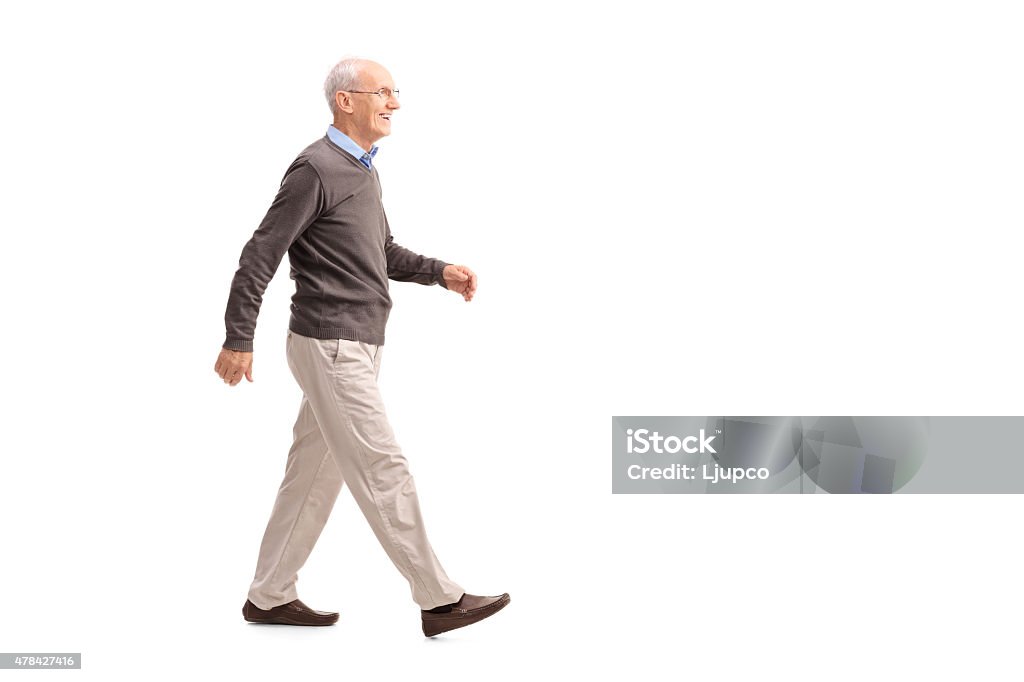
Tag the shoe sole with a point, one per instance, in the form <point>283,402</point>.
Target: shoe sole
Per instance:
<point>285,621</point>
<point>436,626</point>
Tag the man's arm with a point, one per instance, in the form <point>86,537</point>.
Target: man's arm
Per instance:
<point>297,204</point>
<point>404,265</point>
<point>407,266</point>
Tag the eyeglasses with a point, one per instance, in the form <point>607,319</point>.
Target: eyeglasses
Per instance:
<point>384,93</point>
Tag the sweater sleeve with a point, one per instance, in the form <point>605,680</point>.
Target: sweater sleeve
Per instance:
<point>407,266</point>
<point>298,203</point>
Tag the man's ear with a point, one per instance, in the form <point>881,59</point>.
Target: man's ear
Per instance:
<point>343,100</point>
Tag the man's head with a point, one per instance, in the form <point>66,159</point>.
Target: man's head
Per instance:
<point>358,111</point>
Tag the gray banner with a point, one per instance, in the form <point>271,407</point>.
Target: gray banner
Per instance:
<point>30,661</point>
<point>817,455</point>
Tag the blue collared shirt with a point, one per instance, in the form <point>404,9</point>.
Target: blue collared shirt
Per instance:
<point>345,142</point>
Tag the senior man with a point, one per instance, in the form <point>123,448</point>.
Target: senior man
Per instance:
<point>329,218</point>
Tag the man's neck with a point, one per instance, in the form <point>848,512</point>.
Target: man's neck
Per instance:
<point>364,144</point>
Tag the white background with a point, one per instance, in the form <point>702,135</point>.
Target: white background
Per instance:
<point>698,209</point>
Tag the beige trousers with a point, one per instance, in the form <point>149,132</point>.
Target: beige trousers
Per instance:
<point>342,435</point>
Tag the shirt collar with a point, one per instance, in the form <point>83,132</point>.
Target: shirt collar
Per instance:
<point>345,142</point>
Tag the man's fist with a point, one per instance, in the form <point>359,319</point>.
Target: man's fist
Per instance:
<point>232,365</point>
<point>460,279</point>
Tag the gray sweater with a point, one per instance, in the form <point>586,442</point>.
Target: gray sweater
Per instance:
<point>329,217</point>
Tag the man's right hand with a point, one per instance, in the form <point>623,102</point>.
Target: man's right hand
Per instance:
<point>232,365</point>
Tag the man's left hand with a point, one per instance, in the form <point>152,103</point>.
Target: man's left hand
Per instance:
<point>460,279</point>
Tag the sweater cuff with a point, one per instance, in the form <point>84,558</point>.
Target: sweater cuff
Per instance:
<point>244,345</point>
<point>439,275</point>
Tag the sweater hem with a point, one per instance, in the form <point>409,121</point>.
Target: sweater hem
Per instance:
<point>337,333</point>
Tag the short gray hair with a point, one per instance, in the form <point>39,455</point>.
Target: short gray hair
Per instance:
<point>344,76</point>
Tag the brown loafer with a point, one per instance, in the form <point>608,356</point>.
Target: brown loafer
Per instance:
<point>468,610</point>
<point>292,613</point>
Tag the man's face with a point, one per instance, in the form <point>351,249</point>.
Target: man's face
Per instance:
<point>371,114</point>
